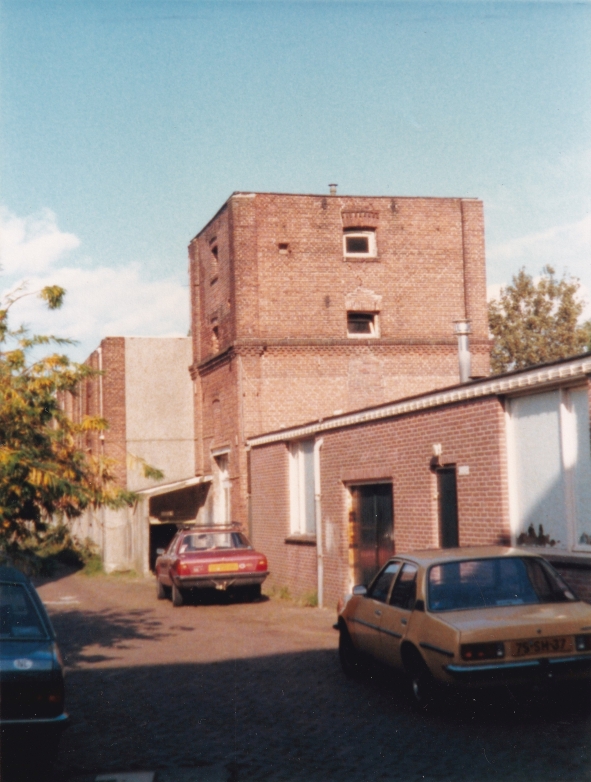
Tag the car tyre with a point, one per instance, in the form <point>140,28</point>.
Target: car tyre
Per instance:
<point>422,684</point>
<point>162,592</point>
<point>349,656</point>
<point>178,597</point>
<point>253,592</point>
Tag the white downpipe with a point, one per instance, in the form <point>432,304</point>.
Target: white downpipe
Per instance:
<point>318,515</point>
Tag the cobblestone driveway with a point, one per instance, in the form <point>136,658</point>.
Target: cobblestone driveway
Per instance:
<point>237,692</point>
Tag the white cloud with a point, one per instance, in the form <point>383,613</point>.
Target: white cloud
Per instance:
<point>29,245</point>
<point>100,301</point>
<point>562,246</point>
<point>566,247</point>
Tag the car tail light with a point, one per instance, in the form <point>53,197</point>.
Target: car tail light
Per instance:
<point>583,643</point>
<point>50,700</point>
<point>261,564</point>
<point>181,568</point>
<point>489,651</point>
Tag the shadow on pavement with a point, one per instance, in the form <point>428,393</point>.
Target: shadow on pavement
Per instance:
<point>296,717</point>
<point>107,629</point>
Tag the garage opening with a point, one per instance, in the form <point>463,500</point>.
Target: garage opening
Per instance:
<point>160,537</point>
<point>170,509</point>
<point>371,529</point>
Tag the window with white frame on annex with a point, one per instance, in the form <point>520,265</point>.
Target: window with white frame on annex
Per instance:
<point>359,243</point>
<point>363,324</point>
<point>301,488</point>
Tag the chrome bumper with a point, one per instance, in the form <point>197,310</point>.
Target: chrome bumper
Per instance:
<point>42,722</point>
<point>541,668</point>
<point>221,580</point>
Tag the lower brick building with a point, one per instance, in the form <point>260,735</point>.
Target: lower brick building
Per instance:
<point>503,460</point>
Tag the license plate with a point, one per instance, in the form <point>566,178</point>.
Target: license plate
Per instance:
<point>561,643</point>
<point>223,567</point>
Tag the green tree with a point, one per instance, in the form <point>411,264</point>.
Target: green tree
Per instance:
<point>43,471</point>
<point>535,322</point>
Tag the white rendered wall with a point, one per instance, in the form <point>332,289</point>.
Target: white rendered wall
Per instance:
<point>159,408</point>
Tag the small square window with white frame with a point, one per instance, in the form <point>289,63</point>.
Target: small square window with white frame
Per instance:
<point>359,243</point>
<point>363,324</point>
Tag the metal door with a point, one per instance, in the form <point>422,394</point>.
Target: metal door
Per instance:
<point>448,507</point>
<point>373,529</point>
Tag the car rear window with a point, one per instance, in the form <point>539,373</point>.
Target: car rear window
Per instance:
<point>18,616</point>
<point>209,541</point>
<point>486,583</point>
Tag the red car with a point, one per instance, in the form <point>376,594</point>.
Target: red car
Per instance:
<point>209,557</point>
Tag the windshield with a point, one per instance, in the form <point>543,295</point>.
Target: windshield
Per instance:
<point>504,581</point>
<point>206,541</point>
<point>18,616</point>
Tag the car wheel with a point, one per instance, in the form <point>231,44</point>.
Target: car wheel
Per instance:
<point>177,596</point>
<point>349,657</point>
<point>162,593</point>
<point>422,684</point>
<point>253,592</point>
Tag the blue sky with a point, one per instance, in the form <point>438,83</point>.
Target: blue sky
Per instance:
<point>125,126</point>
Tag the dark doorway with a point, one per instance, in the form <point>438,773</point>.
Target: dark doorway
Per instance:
<point>448,507</point>
<point>372,529</point>
<point>160,537</point>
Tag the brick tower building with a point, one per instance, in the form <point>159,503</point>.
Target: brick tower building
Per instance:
<point>304,306</point>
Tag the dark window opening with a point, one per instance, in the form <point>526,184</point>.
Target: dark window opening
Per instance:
<point>283,248</point>
<point>360,242</point>
<point>357,244</point>
<point>361,323</point>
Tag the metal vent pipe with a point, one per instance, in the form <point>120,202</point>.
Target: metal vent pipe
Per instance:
<point>462,330</point>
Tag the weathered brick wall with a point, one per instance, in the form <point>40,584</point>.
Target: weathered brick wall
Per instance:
<point>104,395</point>
<point>211,289</point>
<point>113,393</point>
<point>399,449</point>
<point>274,297</point>
<point>429,265</point>
<point>291,565</point>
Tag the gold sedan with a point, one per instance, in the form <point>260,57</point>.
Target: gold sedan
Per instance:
<point>471,617</point>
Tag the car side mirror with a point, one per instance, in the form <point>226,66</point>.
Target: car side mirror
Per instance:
<point>360,590</point>
<point>160,551</point>
<point>419,605</point>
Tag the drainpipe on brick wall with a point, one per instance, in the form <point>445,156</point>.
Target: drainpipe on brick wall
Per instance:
<point>318,514</point>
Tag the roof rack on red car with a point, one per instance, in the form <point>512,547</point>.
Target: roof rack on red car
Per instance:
<point>233,525</point>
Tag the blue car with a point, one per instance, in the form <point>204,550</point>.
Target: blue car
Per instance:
<point>31,668</point>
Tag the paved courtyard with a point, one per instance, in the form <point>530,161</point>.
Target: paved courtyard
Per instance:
<point>226,692</point>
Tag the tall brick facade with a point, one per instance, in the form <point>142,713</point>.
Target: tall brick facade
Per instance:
<point>274,286</point>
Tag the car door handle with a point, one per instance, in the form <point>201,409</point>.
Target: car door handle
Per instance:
<point>404,621</point>
<point>378,613</point>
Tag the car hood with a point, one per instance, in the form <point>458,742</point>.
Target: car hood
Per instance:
<point>20,655</point>
<point>514,621</point>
